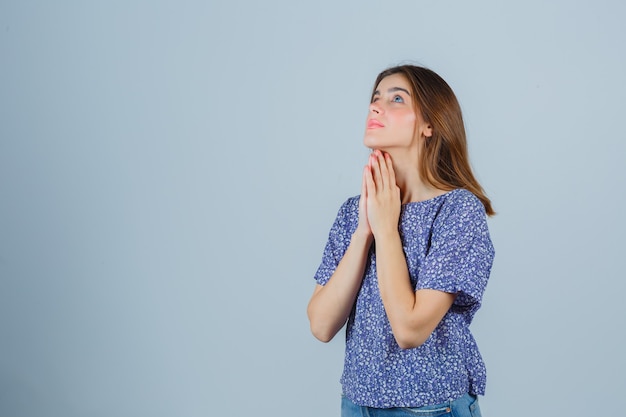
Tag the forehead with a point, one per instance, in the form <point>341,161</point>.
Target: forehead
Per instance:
<point>393,80</point>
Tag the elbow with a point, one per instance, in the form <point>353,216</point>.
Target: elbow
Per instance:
<point>409,343</point>
<point>321,327</point>
<point>322,337</point>
<point>322,333</point>
<point>409,339</point>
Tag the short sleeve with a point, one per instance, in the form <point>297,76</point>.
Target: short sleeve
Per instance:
<point>338,240</point>
<point>461,253</point>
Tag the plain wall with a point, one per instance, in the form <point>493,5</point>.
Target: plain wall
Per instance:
<point>169,172</point>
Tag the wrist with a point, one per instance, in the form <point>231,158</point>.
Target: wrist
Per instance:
<point>386,234</point>
<point>363,234</point>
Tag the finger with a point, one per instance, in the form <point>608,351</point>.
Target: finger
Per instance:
<point>375,168</point>
<point>392,172</point>
<point>383,170</point>
<point>363,198</point>
<point>364,183</point>
<point>370,186</point>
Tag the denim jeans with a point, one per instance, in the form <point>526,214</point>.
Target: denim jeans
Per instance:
<point>465,406</point>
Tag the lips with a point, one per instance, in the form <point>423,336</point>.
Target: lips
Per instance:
<point>374,124</point>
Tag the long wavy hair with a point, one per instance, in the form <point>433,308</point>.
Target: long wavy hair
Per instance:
<point>444,160</point>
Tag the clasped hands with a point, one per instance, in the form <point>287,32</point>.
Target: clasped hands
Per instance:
<point>379,204</point>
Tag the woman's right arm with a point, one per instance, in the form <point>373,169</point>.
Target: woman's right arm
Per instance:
<point>332,303</point>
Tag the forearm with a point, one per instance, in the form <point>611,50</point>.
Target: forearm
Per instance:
<point>413,315</point>
<point>331,304</point>
<point>394,283</point>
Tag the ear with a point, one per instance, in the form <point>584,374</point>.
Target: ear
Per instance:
<point>428,131</point>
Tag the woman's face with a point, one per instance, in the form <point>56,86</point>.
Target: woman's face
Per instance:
<point>392,120</point>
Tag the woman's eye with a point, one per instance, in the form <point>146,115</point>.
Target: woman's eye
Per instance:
<point>398,99</point>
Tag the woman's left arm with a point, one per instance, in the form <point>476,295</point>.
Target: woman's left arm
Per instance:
<point>413,315</point>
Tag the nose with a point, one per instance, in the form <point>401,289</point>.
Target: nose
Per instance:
<point>375,107</point>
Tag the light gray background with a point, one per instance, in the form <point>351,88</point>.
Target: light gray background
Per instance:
<point>169,172</point>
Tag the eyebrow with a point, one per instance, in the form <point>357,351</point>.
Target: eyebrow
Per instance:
<point>393,89</point>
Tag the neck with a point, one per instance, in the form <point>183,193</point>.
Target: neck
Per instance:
<point>412,187</point>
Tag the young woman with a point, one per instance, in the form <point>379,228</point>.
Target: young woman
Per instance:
<point>407,261</point>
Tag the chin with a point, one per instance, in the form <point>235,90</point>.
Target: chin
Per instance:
<point>372,142</point>
<point>375,144</point>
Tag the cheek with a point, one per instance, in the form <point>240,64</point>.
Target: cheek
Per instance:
<point>406,121</point>
<point>409,119</point>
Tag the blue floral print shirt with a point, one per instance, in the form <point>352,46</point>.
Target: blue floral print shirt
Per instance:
<point>447,248</point>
